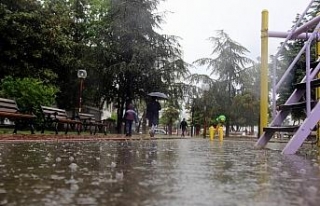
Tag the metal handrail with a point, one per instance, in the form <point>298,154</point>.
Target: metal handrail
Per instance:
<point>274,85</point>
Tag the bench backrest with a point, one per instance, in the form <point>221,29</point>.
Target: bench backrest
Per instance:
<point>8,105</point>
<point>54,112</point>
<point>86,116</point>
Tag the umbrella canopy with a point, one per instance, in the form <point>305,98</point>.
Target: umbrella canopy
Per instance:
<point>158,95</point>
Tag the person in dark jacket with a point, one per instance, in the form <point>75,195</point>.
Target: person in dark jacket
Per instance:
<point>153,108</point>
<point>183,127</point>
<point>130,116</point>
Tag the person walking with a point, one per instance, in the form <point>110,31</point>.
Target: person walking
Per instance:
<point>153,108</point>
<point>183,127</point>
<point>130,116</point>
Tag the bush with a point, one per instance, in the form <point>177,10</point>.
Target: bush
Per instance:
<point>29,93</point>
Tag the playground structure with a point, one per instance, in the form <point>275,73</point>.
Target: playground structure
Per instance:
<point>302,90</point>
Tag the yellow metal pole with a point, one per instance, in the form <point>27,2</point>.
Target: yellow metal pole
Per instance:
<point>318,91</point>
<point>264,72</point>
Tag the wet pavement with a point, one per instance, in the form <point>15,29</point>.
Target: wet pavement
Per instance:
<point>161,172</point>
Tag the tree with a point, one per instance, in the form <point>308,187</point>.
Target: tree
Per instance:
<point>142,60</point>
<point>170,116</point>
<point>227,65</point>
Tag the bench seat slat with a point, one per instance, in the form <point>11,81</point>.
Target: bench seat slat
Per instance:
<point>17,115</point>
<point>9,109</point>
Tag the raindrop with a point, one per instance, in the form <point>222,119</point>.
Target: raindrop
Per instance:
<point>71,158</point>
<point>153,162</point>
<point>58,159</point>
<point>315,164</point>
<point>73,166</point>
<point>74,187</point>
<point>279,164</point>
<point>284,174</point>
<point>312,190</point>
<point>302,171</point>
<point>113,165</point>
<point>119,175</point>
<point>98,158</point>
<point>56,177</point>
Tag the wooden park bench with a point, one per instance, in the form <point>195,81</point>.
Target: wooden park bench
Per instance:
<point>89,122</point>
<point>54,117</point>
<point>9,109</point>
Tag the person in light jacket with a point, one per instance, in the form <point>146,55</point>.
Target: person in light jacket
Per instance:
<point>130,116</point>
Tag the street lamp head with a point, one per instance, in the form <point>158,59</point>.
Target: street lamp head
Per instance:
<point>82,74</point>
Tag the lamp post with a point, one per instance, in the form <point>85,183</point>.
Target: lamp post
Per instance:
<point>205,122</point>
<point>192,118</point>
<point>82,74</point>
<point>205,96</point>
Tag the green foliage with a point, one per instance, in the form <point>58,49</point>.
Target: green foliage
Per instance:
<point>113,117</point>
<point>114,40</point>
<point>29,93</point>
<point>245,110</point>
<point>170,115</point>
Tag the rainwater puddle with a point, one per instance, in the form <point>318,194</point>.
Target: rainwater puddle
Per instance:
<point>162,172</point>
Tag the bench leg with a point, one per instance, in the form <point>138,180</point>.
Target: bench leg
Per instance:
<point>67,129</point>
<point>90,128</point>
<point>32,128</point>
<point>106,129</point>
<point>96,128</point>
<point>15,128</point>
<point>79,126</point>
<point>56,125</point>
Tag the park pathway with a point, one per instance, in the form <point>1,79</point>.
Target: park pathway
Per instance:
<point>191,171</point>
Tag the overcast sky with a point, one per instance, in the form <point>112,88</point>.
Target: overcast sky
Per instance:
<point>197,20</point>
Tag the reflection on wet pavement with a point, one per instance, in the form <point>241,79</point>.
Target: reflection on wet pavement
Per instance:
<point>162,172</point>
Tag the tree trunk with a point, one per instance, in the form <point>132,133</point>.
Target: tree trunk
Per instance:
<point>170,127</point>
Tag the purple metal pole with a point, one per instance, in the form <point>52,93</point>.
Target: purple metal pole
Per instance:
<point>313,35</point>
<point>279,34</point>
<point>305,27</point>
<point>274,90</point>
<point>308,89</point>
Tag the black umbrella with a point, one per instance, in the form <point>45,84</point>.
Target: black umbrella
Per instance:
<point>158,95</point>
